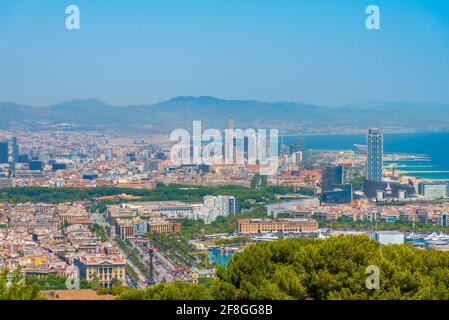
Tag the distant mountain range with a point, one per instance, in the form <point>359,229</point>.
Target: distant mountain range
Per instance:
<point>179,112</point>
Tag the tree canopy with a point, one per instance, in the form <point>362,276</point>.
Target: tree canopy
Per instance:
<point>14,287</point>
<point>297,269</point>
<point>160,193</point>
<point>314,269</point>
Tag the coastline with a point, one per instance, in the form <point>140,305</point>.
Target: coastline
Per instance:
<point>417,155</point>
<point>359,132</point>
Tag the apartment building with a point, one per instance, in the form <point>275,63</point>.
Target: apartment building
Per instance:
<point>256,226</point>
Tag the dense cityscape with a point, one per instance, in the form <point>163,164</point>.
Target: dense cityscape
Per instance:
<point>115,211</point>
<point>219,159</point>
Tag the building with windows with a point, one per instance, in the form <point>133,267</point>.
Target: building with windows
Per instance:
<point>436,190</point>
<point>443,219</point>
<point>23,158</point>
<point>36,165</point>
<point>256,226</point>
<point>382,190</point>
<point>226,205</point>
<point>4,152</point>
<point>163,226</point>
<point>338,194</point>
<point>108,270</point>
<point>388,237</point>
<point>374,161</point>
<point>126,228</point>
<point>15,150</point>
<point>332,176</point>
<point>135,227</point>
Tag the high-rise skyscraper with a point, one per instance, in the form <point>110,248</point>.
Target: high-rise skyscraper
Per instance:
<point>4,151</point>
<point>15,150</point>
<point>374,160</point>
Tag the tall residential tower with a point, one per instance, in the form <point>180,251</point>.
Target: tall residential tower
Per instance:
<point>15,150</point>
<point>374,161</point>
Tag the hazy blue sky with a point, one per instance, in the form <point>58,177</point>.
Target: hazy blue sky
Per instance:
<point>136,52</point>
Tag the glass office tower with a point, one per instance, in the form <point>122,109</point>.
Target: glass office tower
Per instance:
<point>374,161</point>
<point>4,151</point>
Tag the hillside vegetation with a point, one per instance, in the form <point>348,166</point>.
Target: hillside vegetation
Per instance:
<point>329,269</point>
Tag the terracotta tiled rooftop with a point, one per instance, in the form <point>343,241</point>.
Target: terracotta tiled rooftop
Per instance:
<point>83,294</point>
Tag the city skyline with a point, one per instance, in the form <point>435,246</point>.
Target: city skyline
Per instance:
<point>224,150</point>
<point>80,204</point>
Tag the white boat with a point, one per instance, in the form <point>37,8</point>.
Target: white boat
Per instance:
<point>266,237</point>
<point>432,237</point>
<point>443,236</point>
<point>322,236</point>
<point>412,237</point>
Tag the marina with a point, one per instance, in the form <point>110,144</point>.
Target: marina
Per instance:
<point>438,241</point>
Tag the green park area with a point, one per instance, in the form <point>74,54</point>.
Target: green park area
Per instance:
<point>246,196</point>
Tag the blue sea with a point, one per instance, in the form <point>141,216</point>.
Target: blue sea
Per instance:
<point>433,146</point>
